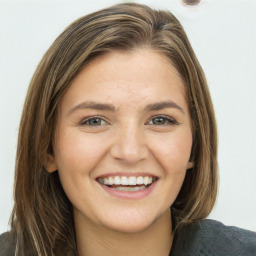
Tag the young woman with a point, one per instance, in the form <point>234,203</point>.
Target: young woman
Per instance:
<point>117,145</point>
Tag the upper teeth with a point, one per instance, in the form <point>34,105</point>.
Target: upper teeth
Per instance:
<point>123,180</point>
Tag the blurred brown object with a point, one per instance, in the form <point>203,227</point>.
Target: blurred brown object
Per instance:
<point>191,2</point>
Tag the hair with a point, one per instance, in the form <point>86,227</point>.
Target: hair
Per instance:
<point>42,217</point>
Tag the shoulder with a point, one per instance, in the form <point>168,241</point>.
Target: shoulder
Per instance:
<point>226,238</point>
<point>7,244</point>
<point>212,238</point>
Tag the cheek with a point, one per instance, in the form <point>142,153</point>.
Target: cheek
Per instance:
<point>173,151</point>
<point>77,151</point>
<point>76,155</point>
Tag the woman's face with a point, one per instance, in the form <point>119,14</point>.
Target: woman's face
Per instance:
<point>123,122</point>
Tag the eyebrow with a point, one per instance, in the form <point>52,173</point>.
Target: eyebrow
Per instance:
<point>162,105</point>
<point>109,107</point>
<point>93,105</point>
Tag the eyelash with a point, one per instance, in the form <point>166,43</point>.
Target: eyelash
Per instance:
<point>167,121</point>
<point>87,120</point>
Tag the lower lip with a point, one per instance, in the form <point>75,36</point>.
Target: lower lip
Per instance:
<point>129,194</point>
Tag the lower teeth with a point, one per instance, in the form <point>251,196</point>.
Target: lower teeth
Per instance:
<point>130,188</point>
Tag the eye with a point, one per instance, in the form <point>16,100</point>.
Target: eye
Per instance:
<point>162,120</point>
<point>94,121</point>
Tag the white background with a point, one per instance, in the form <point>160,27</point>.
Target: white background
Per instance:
<point>223,35</point>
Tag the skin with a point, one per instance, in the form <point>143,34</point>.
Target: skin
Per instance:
<point>129,139</point>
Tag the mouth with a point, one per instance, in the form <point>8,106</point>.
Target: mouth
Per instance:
<point>127,183</point>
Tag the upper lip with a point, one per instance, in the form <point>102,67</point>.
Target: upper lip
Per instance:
<point>126,174</point>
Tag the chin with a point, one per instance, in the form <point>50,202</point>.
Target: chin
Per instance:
<point>131,223</point>
<point>130,227</point>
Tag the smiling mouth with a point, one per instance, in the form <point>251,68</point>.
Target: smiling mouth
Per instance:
<point>130,184</point>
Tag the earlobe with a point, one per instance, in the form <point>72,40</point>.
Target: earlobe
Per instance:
<point>190,165</point>
<point>50,164</point>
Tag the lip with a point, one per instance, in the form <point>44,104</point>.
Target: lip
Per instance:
<point>127,174</point>
<point>129,194</point>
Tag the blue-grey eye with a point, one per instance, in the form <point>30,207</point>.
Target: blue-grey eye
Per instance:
<point>95,121</point>
<point>160,120</point>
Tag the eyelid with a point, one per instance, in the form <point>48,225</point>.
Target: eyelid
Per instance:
<point>171,120</point>
<point>84,120</point>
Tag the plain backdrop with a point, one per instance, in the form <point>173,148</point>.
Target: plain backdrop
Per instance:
<point>223,35</point>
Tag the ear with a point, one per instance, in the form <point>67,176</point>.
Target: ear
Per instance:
<point>190,165</point>
<point>50,164</point>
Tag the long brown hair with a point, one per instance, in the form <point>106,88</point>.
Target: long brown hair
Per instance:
<point>42,216</point>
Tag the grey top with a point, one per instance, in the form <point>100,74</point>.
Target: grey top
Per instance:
<point>212,238</point>
<point>205,238</point>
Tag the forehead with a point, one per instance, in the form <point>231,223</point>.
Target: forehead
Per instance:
<point>127,76</point>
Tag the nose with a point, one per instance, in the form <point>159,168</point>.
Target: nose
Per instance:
<point>129,145</point>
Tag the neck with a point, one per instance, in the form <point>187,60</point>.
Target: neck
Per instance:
<point>156,240</point>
